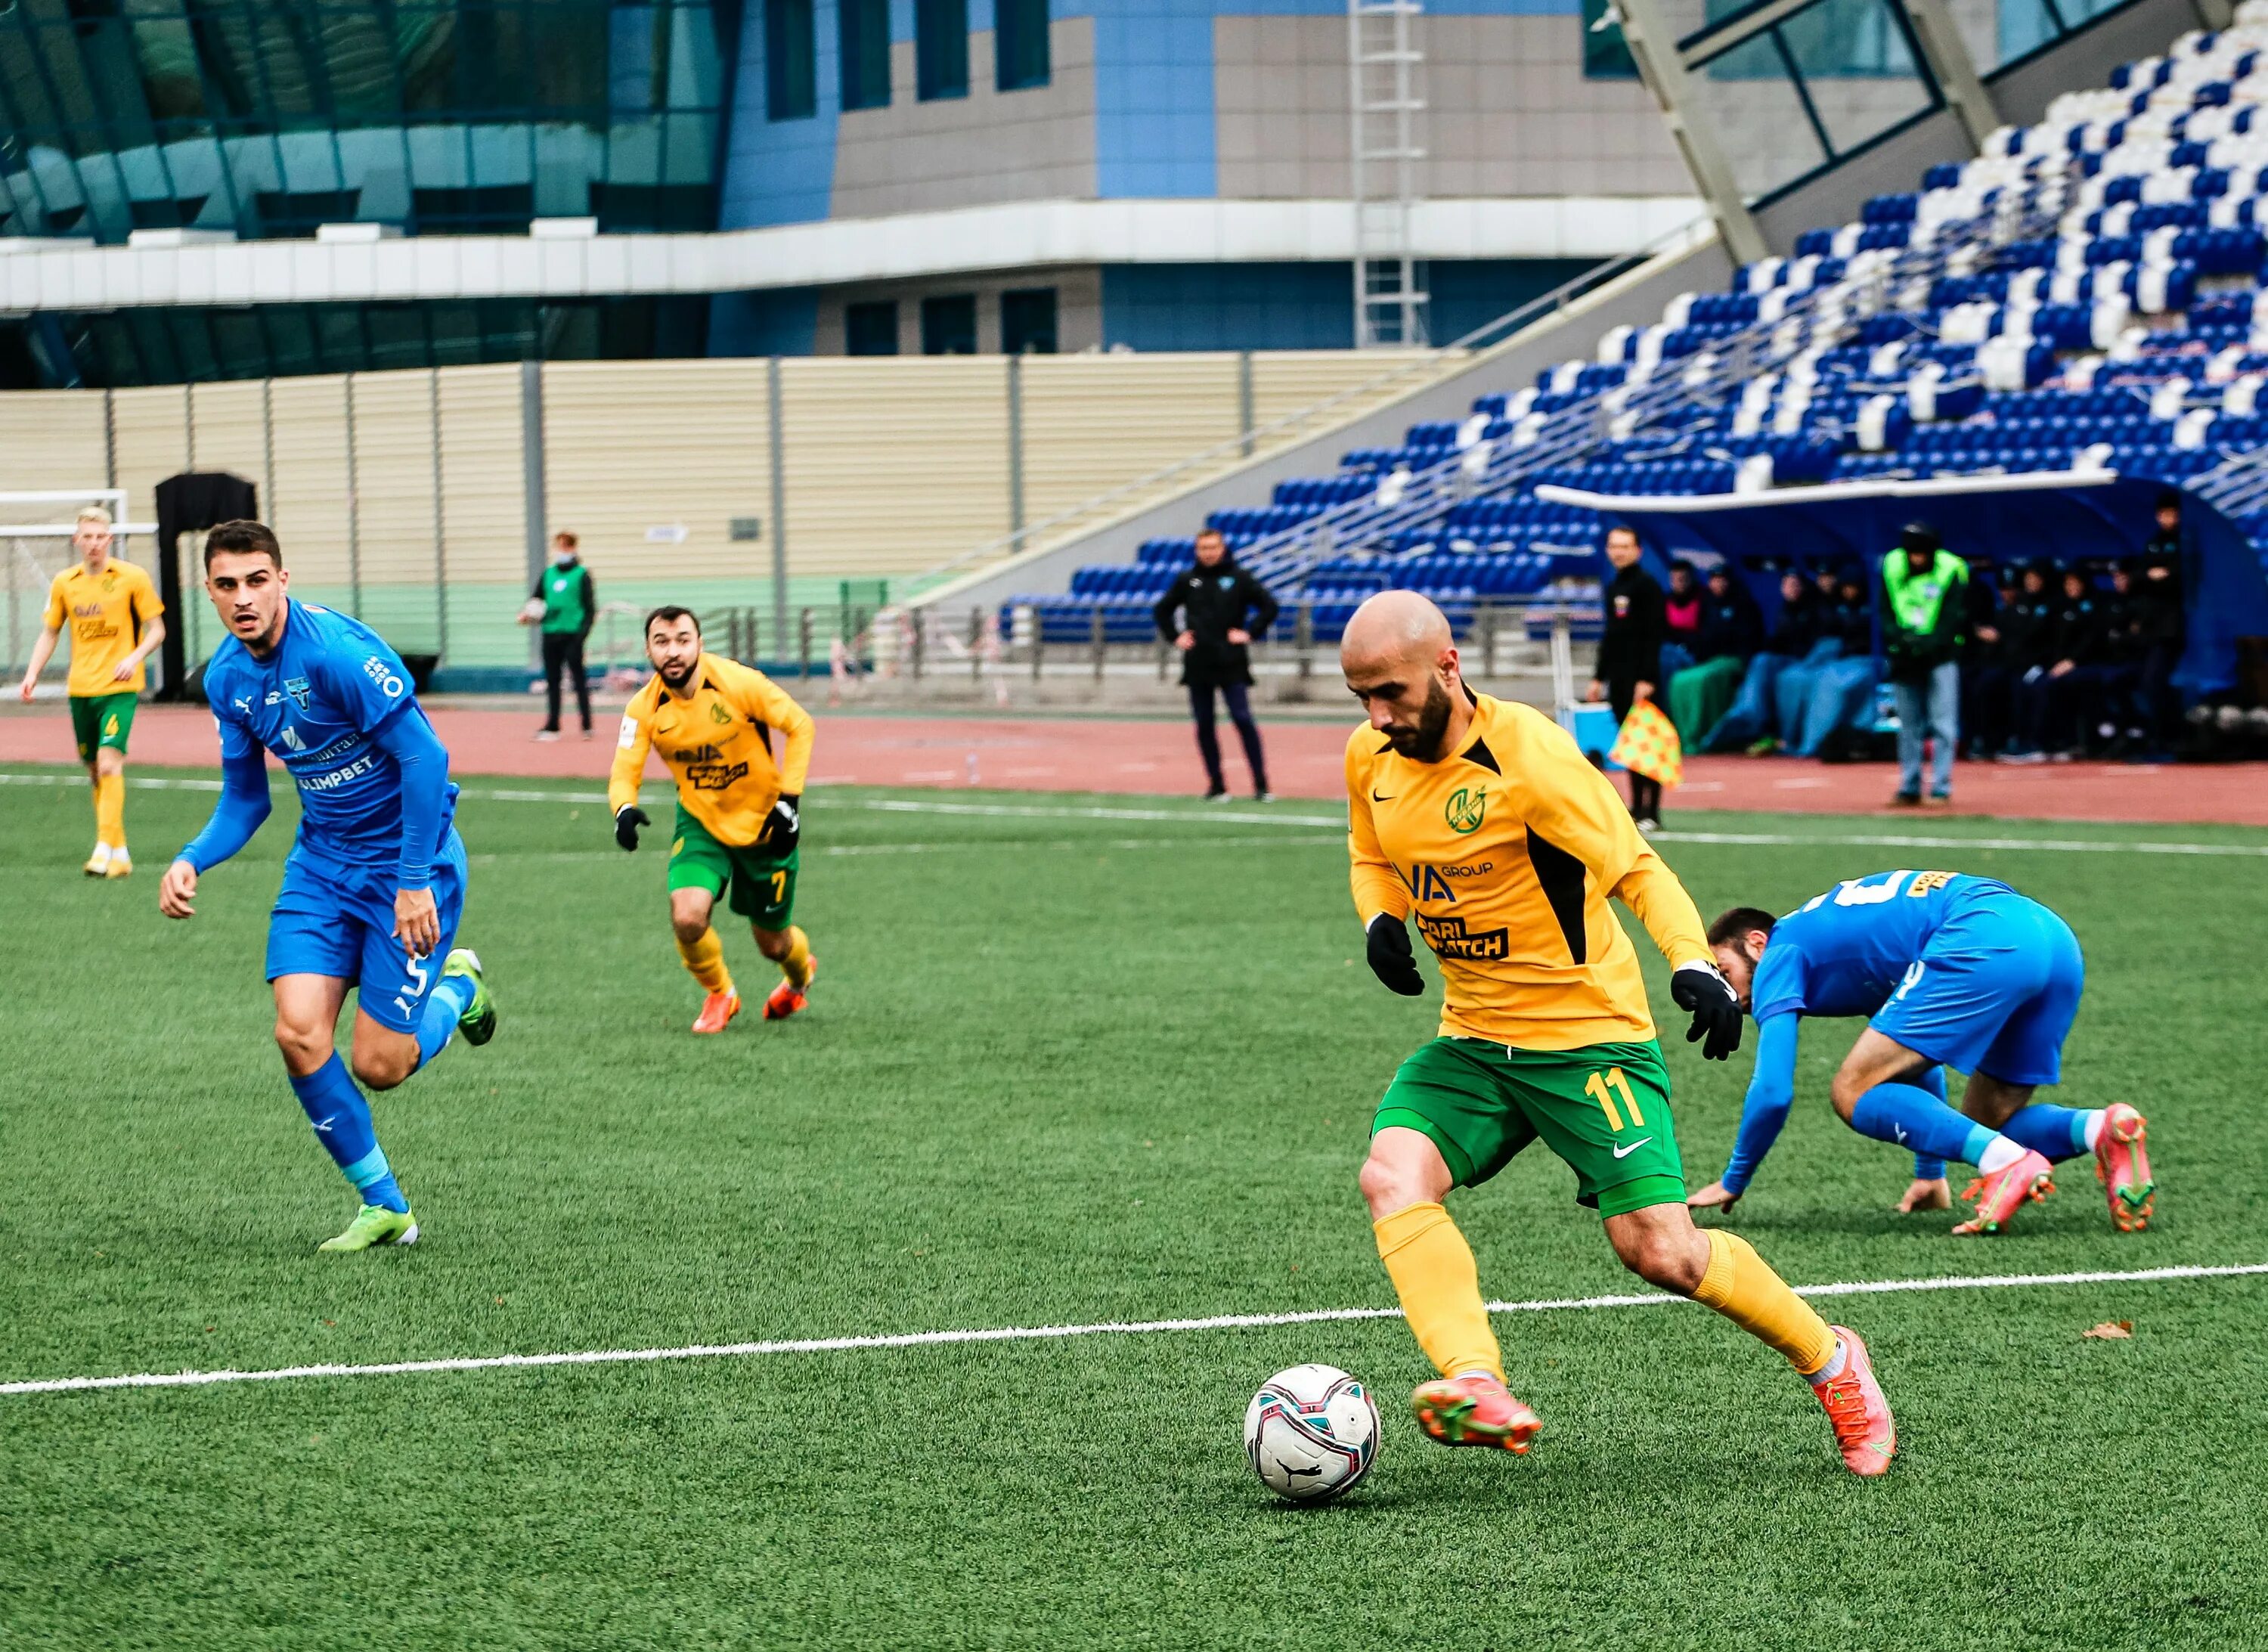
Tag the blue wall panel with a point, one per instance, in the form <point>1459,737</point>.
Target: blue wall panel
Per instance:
<point>1228,307</point>
<point>783,323</point>
<point>780,172</point>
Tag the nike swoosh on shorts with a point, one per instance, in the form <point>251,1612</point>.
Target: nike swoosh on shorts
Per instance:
<point>1624,1153</point>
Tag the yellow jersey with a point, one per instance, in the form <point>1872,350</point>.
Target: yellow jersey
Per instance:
<point>106,613</point>
<point>1507,852</point>
<point>715,742</point>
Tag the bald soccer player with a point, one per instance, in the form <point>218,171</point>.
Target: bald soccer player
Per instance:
<point>1484,819</point>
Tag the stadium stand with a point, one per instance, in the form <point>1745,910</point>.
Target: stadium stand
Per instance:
<point>2085,295</point>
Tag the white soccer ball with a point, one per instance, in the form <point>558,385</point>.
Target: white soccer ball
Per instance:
<point>1311,1433</point>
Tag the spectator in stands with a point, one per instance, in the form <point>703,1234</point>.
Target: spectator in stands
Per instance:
<point>1211,614</point>
<point>565,603</point>
<point>1681,620</point>
<point>1842,703</point>
<point>1793,634</point>
<point>2162,628</point>
<point>1924,624</point>
<point>1845,628</point>
<point>1986,678</point>
<point>1629,666</point>
<point>1731,631</point>
<point>2065,676</point>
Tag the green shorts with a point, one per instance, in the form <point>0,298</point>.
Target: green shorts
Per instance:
<point>1604,1109</point>
<point>101,719</point>
<point>761,888</point>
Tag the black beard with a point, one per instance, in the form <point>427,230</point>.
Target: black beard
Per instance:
<point>1423,743</point>
<point>680,679</point>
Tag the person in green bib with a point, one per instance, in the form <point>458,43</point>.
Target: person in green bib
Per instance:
<point>565,603</point>
<point>1924,616</point>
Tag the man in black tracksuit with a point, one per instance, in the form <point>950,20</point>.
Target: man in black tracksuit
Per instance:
<point>1221,608</point>
<point>1629,668</point>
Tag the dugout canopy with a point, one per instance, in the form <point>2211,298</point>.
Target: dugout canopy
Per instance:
<point>2064,516</point>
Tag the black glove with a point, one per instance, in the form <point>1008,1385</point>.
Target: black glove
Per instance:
<point>1391,960</point>
<point>627,819</point>
<point>783,827</point>
<point>1716,1012</point>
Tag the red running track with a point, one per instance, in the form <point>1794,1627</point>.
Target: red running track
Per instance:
<point>1158,757</point>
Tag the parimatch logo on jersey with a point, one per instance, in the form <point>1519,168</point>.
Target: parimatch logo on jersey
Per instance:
<point>714,777</point>
<point>1450,939</point>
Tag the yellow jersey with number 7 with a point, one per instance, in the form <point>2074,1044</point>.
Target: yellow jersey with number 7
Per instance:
<point>716,742</point>
<point>1506,852</point>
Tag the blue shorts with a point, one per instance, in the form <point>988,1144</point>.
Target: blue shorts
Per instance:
<point>338,921</point>
<point>1994,991</point>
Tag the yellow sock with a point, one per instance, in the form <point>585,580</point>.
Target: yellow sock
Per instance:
<point>1431,1267</point>
<point>705,959</point>
<point>797,965</point>
<point>110,809</point>
<point>1741,1285</point>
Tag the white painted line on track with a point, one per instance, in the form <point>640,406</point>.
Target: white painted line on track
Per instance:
<point>2052,846</point>
<point>1050,1333</point>
<point>1217,816</point>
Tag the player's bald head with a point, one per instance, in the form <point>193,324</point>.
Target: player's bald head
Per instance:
<point>1392,629</point>
<point>1399,661</point>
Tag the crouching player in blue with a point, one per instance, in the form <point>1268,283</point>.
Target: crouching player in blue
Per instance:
<point>1953,971</point>
<point>375,883</point>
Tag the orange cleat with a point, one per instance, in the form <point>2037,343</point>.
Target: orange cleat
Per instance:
<point>718,1010</point>
<point>1864,1432</point>
<point>2121,1164</point>
<point>787,998</point>
<point>1475,1410</point>
<point>1999,1195</point>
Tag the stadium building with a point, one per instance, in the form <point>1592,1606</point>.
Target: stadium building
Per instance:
<point>821,176</point>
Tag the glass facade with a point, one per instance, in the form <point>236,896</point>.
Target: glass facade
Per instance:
<point>268,117</point>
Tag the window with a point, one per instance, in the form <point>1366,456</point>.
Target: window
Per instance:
<point>1019,44</point>
<point>863,26</point>
<point>790,76</point>
<point>1027,321</point>
<point>871,329</point>
<point>949,325</point>
<point>1605,57</point>
<point>940,49</point>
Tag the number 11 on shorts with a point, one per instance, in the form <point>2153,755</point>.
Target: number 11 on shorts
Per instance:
<point>1601,1086</point>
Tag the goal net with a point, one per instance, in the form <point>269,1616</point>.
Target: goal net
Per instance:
<point>36,545</point>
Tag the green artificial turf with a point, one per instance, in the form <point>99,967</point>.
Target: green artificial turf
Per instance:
<point>1057,1069</point>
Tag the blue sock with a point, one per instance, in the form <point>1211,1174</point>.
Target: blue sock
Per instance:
<point>2051,1131</point>
<point>1908,1116</point>
<point>341,1116</point>
<point>437,1023</point>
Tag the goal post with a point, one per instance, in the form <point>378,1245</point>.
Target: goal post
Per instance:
<point>35,544</point>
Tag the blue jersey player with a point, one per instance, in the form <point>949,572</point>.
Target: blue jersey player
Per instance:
<point>375,883</point>
<point>1951,971</point>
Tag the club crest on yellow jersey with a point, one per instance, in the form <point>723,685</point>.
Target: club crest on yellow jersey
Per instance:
<point>1466,806</point>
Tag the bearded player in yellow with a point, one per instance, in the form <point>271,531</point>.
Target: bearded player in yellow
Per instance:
<point>738,820</point>
<point>1483,819</point>
<point>113,611</point>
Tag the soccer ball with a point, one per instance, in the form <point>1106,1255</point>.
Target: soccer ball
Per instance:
<point>1311,1433</point>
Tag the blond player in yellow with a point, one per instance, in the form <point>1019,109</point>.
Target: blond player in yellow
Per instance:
<point>1483,820</point>
<point>738,823</point>
<point>113,611</point>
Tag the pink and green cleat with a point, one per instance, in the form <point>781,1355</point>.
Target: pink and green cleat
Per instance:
<point>2121,1164</point>
<point>1474,1410</point>
<point>1864,1432</point>
<point>1999,1195</point>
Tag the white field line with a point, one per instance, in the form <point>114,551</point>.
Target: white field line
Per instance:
<point>1048,1333</point>
<point>1034,811</point>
